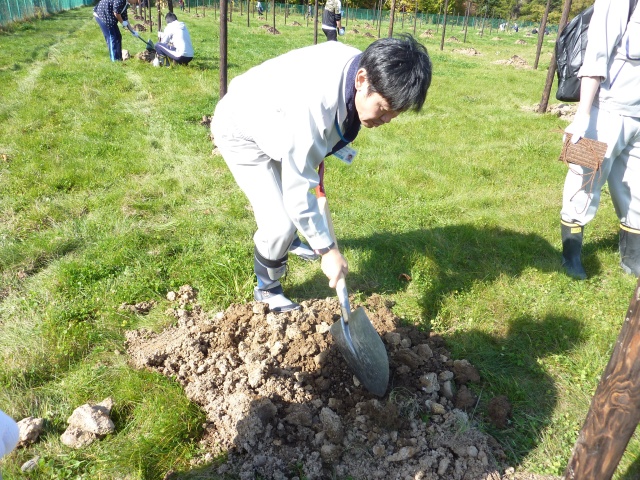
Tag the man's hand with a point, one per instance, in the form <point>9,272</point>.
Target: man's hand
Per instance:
<point>334,266</point>
<point>341,31</point>
<point>578,127</point>
<point>125,24</point>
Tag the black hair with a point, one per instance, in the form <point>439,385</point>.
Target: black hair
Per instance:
<point>170,17</point>
<point>399,69</point>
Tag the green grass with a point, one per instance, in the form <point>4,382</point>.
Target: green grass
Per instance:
<point>109,194</point>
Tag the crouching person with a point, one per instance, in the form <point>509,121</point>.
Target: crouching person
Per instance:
<point>175,41</point>
<point>274,145</point>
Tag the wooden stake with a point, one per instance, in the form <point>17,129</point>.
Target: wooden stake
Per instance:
<point>615,408</point>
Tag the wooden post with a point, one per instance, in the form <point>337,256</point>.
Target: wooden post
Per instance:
<point>415,19</point>
<point>615,407</point>
<point>444,24</point>
<point>315,24</point>
<point>544,102</point>
<point>466,20</point>
<point>159,16</point>
<point>223,48</point>
<point>543,25</point>
<point>391,18</point>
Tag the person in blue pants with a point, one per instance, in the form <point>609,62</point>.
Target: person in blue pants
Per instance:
<point>108,14</point>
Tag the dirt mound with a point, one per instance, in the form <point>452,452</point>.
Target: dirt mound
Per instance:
<point>496,38</point>
<point>467,51</point>
<point>453,39</point>
<point>515,60</point>
<point>296,24</point>
<point>280,399</point>
<point>520,42</point>
<point>427,34</point>
<point>353,30</point>
<point>270,29</point>
<point>563,110</point>
<point>146,56</point>
<point>369,35</point>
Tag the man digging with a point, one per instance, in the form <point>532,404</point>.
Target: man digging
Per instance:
<point>274,145</point>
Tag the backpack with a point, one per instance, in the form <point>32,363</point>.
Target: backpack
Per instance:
<point>570,47</point>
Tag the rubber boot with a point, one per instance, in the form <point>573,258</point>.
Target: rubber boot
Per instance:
<point>630,250</point>
<point>269,289</point>
<point>571,249</point>
<point>302,250</point>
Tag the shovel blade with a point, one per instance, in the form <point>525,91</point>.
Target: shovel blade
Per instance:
<point>363,350</point>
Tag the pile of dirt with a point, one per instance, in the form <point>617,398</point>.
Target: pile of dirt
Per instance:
<point>296,24</point>
<point>467,51</point>
<point>369,35</point>
<point>520,42</point>
<point>280,399</point>
<point>270,29</point>
<point>146,56</point>
<point>453,39</point>
<point>427,34</point>
<point>515,60</point>
<point>563,110</point>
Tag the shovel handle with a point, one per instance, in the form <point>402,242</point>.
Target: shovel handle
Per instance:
<point>343,297</point>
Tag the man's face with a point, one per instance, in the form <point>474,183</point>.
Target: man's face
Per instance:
<point>373,109</point>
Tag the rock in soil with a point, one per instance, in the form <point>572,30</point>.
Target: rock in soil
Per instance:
<point>280,399</point>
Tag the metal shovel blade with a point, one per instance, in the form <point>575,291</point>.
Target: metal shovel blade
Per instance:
<point>363,350</point>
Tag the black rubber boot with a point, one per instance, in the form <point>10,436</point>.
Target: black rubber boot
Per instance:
<point>630,250</point>
<point>269,290</point>
<point>571,249</point>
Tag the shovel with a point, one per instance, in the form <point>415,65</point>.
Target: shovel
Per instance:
<point>360,344</point>
<point>148,43</point>
<point>357,340</point>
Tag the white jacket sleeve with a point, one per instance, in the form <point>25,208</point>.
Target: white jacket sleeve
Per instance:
<point>608,24</point>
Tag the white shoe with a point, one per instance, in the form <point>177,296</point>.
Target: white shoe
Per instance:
<point>275,298</point>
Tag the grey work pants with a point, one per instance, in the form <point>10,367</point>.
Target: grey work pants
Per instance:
<point>620,168</point>
<point>260,178</point>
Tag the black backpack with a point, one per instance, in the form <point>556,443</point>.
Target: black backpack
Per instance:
<point>570,47</point>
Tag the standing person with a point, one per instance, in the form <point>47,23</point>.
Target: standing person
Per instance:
<point>260,8</point>
<point>108,13</point>
<point>332,20</point>
<point>175,41</point>
<point>274,145</point>
<point>609,111</point>
<point>9,434</point>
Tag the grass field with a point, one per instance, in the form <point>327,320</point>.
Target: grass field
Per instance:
<point>110,194</point>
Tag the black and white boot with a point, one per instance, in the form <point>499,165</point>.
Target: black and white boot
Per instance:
<point>302,250</point>
<point>572,249</point>
<point>269,289</point>
<point>630,250</point>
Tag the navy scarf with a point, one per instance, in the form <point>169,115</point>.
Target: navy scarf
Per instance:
<point>352,124</point>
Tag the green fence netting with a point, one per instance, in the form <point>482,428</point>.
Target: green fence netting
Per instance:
<point>13,10</point>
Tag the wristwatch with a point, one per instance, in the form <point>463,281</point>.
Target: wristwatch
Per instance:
<point>322,251</point>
